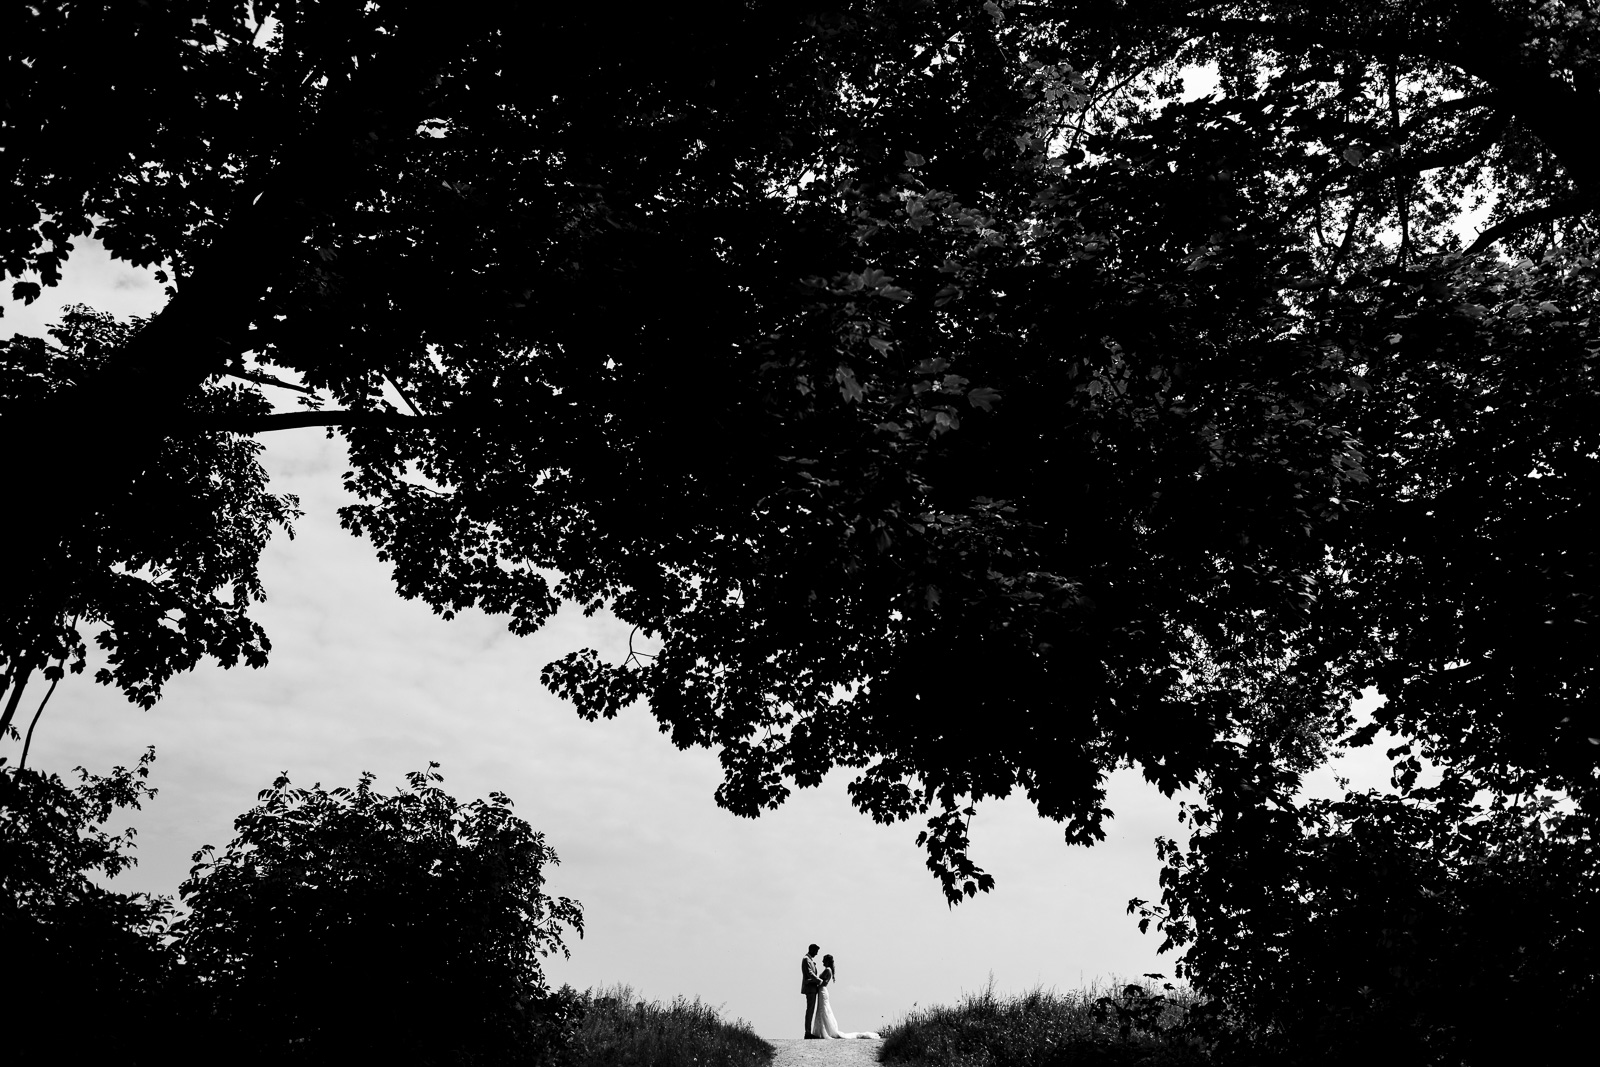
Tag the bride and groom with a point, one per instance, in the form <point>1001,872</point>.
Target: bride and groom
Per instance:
<point>814,984</point>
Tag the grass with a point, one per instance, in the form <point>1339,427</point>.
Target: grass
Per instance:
<point>1044,1028</point>
<point>619,1030</point>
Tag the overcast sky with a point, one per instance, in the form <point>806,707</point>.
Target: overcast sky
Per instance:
<point>680,897</point>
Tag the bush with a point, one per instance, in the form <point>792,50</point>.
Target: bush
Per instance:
<point>74,948</point>
<point>620,1031</point>
<point>344,924</point>
<point>1420,928</point>
<point>1043,1028</point>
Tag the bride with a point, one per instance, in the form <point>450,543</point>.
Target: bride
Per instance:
<point>824,1024</point>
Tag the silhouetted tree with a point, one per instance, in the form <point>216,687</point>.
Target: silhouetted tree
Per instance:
<point>1420,927</point>
<point>940,394</point>
<point>346,922</point>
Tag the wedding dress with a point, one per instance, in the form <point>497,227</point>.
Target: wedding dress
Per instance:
<point>823,1024</point>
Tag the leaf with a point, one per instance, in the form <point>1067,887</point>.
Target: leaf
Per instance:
<point>983,398</point>
<point>848,385</point>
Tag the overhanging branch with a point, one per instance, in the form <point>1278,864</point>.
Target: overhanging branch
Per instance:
<point>1561,209</point>
<point>1444,107</point>
<point>1451,155</point>
<point>263,378</point>
<point>296,420</point>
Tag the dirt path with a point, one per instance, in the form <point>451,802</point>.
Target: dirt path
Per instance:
<point>795,1052</point>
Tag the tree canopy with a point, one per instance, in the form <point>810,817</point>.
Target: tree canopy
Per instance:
<point>939,390</point>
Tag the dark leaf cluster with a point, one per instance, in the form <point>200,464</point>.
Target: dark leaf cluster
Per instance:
<point>166,568</point>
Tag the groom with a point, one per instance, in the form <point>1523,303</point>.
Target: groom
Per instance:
<point>810,982</point>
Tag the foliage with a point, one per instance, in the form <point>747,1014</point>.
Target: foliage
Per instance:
<point>889,361</point>
<point>1475,570</point>
<point>168,565</point>
<point>344,921</point>
<point>619,1030</point>
<point>1044,1028</point>
<point>70,943</point>
<point>1417,927</point>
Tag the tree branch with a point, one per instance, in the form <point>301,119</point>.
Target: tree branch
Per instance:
<point>19,682</point>
<point>404,396</point>
<point>1451,155</point>
<point>28,743</point>
<point>1444,107</point>
<point>1561,209</point>
<point>295,420</point>
<point>262,378</point>
<point>1295,36</point>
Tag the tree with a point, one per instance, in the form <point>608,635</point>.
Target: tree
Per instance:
<point>344,920</point>
<point>891,361</point>
<point>71,944</point>
<point>1418,926</point>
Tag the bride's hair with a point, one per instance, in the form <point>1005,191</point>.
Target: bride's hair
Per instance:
<point>827,961</point>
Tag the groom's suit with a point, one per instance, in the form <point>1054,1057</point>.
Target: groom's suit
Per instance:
<point>810,983</point>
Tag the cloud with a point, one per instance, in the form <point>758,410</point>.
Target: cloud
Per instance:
<point>92,277</point>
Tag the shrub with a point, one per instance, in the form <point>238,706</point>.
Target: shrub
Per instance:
<point>1421,928</point>
<point>72,948</point>
<point>347,924</point>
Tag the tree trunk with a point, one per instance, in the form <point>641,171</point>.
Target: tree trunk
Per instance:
<point>21,670</point>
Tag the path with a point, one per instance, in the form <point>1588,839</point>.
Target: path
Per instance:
<point>797,1052</point>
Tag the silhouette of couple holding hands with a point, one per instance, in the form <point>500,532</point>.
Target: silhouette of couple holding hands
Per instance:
<point>819,1009</point>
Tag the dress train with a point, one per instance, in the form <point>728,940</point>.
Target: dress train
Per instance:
<point>823,1024</point>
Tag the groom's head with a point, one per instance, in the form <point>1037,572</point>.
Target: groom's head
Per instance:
<point>813,950</point>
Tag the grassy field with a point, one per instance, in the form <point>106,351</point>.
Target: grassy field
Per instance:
<point>1113,1025</point>
<point>620,1030</point>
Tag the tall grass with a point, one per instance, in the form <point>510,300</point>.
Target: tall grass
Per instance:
<point>1045,1028</point>
<point>619,1030</point>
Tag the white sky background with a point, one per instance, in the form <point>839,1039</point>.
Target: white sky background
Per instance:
<point>680,897</point>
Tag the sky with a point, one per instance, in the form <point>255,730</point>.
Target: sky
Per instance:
<point>680,897</point>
